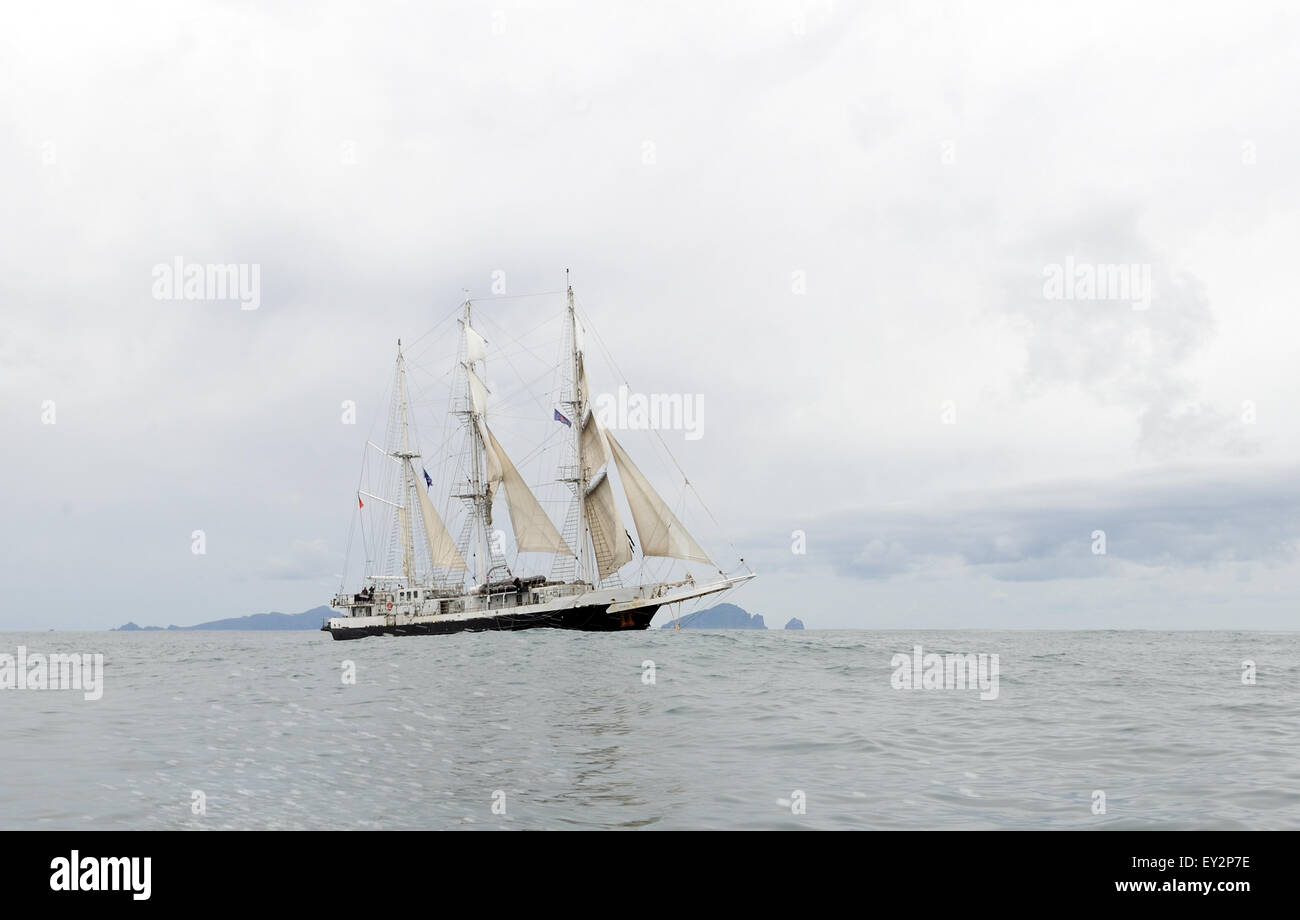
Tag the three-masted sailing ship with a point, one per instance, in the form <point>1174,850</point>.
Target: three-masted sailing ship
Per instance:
<point>432,590</point>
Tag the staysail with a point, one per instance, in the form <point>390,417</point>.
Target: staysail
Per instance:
<point>608,537</point>
<point>534,531</point>
<point>442,548</point>
<point>477,389</point>
<point>592,447</point>
<point>660,532</point>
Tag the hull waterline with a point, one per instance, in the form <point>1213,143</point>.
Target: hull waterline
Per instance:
<point>593,618</point>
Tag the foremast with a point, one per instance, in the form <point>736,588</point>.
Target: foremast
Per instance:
<point>577,406</point>
<point>416,516</point>
<point>404,455</point>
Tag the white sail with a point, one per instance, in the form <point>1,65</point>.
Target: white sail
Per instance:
<point>660,532</point>
<point>534,531</point>
<point>478,391</point>
<point>494,471</point>
<point>585,387</point>
<point>608,536</point>
<point>475,344</point>
<point>442,548</point>
<point>595,453</point>
<point>583,591</point>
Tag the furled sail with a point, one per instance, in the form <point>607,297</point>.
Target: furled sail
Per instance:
<point>660,531</point>
<point>442,549</point>
<point>534,531</point>
<point>608,536</point>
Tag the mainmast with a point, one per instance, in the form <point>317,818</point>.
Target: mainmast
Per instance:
<point>578,406</point>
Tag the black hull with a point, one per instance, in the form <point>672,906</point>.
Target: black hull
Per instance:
<point>595,618</point>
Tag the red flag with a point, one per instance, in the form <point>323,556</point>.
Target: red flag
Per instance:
<point>360,502</point>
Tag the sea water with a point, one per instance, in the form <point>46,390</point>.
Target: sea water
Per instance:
<point>657,729</point>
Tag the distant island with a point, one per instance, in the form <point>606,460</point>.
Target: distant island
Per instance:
<point>795,623</point>
<point>308,619</point>
<point>723,616</point>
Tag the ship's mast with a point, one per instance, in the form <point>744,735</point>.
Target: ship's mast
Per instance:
<point>480,488</point>
<point>403,512</point>
<point>578,404</point>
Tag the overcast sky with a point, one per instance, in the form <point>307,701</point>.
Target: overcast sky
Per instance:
<point>833,222</point>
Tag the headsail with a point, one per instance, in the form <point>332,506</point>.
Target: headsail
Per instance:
<point>660,531</point>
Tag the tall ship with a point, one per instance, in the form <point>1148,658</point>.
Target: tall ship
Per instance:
<point>419,580</point>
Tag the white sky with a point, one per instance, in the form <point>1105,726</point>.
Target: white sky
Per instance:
<point>920,163</point>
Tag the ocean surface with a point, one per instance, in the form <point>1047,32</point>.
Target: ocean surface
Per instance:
<point>739,729</point>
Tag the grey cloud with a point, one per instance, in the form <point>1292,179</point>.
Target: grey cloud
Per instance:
<point>1136,359</point>
<point>1175,518</point>
<point>219,139</point>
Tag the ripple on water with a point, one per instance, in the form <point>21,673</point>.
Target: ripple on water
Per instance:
<point>743,729</point>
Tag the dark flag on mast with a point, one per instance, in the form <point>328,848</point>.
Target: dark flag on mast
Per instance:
<point>561,418</point>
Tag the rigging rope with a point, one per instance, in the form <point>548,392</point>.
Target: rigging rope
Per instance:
<point>610,358</point>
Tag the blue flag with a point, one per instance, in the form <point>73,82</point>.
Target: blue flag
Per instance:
<point>561,418</point>
<point>428,481</point>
